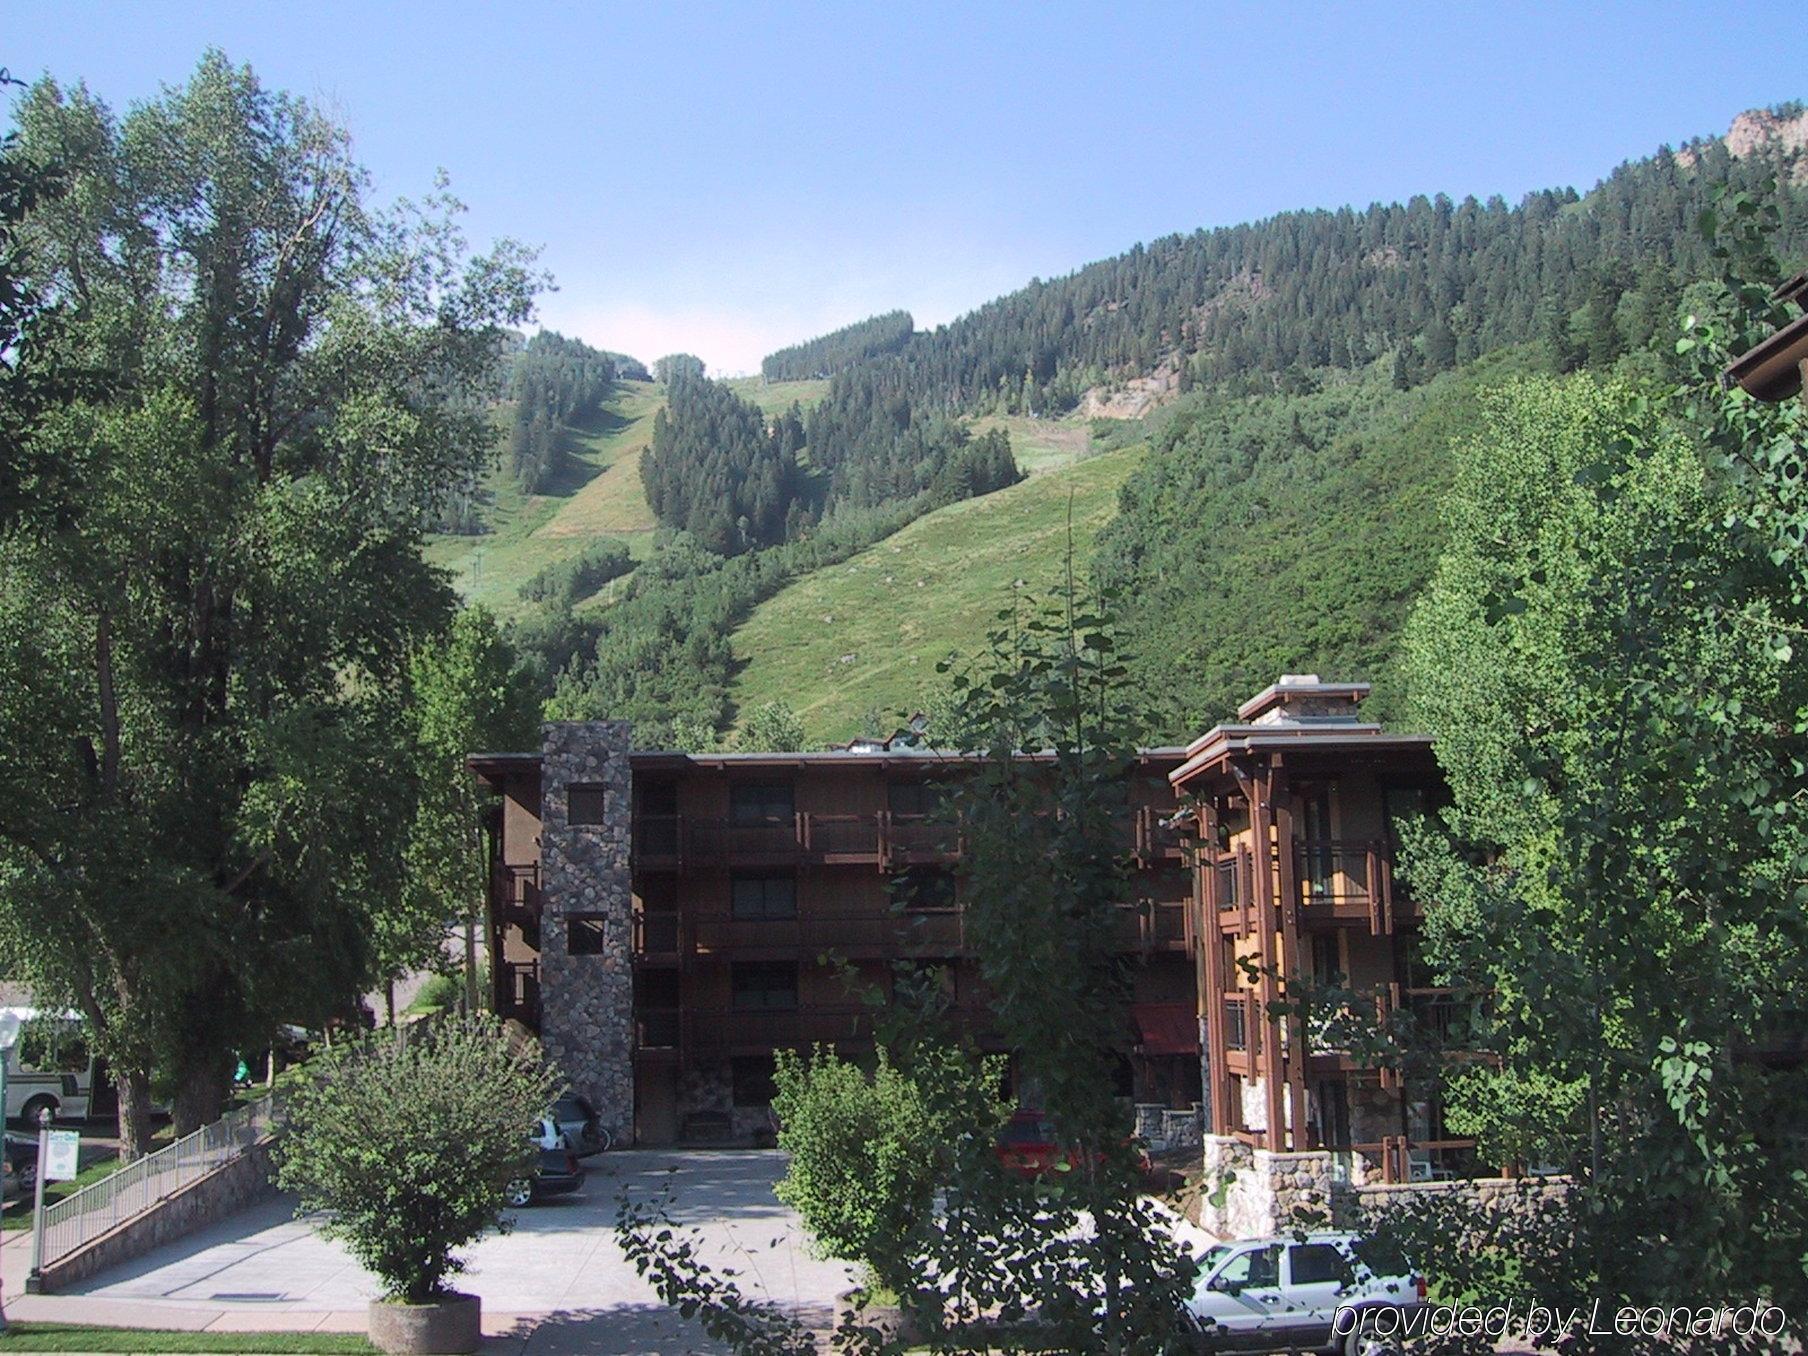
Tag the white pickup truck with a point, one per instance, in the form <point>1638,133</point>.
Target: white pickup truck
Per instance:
<point>1267,1294</point>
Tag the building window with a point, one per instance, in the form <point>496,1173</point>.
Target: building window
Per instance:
<point>754,1084</point>
<point>764,984</point>
<point>914,798</point>
<point>585,804</point>
<point>924,889</point>
<point>761,803</point>
<point>584,934</point>
<point>763,894</point>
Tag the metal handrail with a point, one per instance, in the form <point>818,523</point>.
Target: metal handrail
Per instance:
<point>100,1207</point>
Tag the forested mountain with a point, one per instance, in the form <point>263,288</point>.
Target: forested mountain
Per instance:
<point>1318,365</point>
<point>716,471</point>
<point>830,353</point>
<point>555,380</point>
<point>1449,280</point>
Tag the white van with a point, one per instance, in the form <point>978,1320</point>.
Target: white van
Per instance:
<point>50,1065</point>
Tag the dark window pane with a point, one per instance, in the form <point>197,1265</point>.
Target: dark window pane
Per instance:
<point>1316,1264</point>
<point>761,803</point>
<point>914,798</point>
<point>584,936</point>
<point>585,805</point>
<point>758,894</point>
<point>764,984</point>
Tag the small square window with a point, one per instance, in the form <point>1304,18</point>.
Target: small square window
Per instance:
<point>585,934</point>
<point>585,804</point>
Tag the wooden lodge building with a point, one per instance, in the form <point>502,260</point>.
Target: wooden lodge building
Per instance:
<point>666,921</point>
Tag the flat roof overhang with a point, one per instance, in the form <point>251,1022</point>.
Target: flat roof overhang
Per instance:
<point>1773,370</point>
<point>1214,750</point>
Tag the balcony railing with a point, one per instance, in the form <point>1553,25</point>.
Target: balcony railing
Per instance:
<point>518,990</point>
<point>1343,879</point>
<point>673,841</point>
<point>1242,1023</point>
<point>515,891</point>
<point>715,1031</point>
<point>940,932</point>
<point>1228,880</point>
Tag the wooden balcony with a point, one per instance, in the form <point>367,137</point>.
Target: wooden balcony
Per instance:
<point>883,840</point>
<point>886,840</point>
<point>694,1033</point>
<point>871,932</point>
<point>518,991</point>
<point>1345,881</point>
<point>515,892</point>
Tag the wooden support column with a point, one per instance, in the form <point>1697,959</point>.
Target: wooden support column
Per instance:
<point>1209,969</point>
<point>1293,962</point>
<point>1261,820</point>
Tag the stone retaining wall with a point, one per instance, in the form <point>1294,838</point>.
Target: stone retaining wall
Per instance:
<point>1260,1193</point>
<point>228,1188</point>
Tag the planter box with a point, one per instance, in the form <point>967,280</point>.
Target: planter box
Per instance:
<point>449,1327</point>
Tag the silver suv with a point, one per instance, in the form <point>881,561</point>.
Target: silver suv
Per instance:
<point>1266,1294</point>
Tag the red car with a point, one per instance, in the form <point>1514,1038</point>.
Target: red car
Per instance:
<point>1026,1146</point>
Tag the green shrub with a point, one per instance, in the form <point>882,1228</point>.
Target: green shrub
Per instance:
<point>568,581</point>
<point>408,1139</point>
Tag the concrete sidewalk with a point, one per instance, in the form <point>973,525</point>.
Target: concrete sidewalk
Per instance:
<point>557,1283</point>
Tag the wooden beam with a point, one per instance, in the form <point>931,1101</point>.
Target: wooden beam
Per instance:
<point>1293,963</point>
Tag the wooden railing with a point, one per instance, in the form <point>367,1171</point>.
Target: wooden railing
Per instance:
<point>515,891</point>
<point>715,1031</point>
<point>518,990</point>
<point>884,838</point>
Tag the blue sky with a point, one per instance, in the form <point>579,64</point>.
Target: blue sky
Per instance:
<point>728,179</point>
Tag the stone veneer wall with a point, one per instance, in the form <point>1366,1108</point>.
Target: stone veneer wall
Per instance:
<point>1268,1193</point>
<point>587,1002</point>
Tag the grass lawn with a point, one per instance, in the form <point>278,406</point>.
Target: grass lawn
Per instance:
<point>79,1337</point>
<point>853,646</point>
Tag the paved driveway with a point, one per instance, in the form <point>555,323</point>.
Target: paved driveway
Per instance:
<point>560,1260</point>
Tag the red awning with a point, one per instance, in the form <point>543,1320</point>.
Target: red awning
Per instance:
<point>1166,1028</point>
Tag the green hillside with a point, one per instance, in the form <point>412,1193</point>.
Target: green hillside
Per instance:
<point>851,646</point>
<point>599,495</point>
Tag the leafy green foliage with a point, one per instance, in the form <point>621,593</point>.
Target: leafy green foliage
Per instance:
<point>1282,534</point>
<point>1044,875</point>
<point>829,353</point>
<point>1612,678</point>
<point>208,785</point>
<point>866,1155</point>
<point>467,693</point>
<point>771,726</point>
<point>408,1139</point>
<point>569,581</point>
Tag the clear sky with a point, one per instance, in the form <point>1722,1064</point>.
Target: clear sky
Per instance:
<point>729,179</point>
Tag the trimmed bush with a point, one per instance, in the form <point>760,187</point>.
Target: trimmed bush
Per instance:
<point>408,1140</point>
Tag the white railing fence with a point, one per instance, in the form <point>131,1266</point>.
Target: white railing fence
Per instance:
<point>85,1215</point>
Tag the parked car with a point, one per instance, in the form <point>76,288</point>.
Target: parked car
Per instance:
<point>574,1121</point>
<point>557,1172</point>
<point>1027,1147</point>
<point>21,1160</point>
<point>1281,1293</point>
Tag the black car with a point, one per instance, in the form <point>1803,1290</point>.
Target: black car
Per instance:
<point>21,1164</point>
<point>557,1172</point>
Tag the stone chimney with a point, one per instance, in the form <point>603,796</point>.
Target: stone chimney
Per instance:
<point>1302,699</point>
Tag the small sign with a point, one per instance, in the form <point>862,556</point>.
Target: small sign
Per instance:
<point>62,1156</point>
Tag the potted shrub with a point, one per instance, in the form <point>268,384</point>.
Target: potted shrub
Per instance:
<point>408,1140</point>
